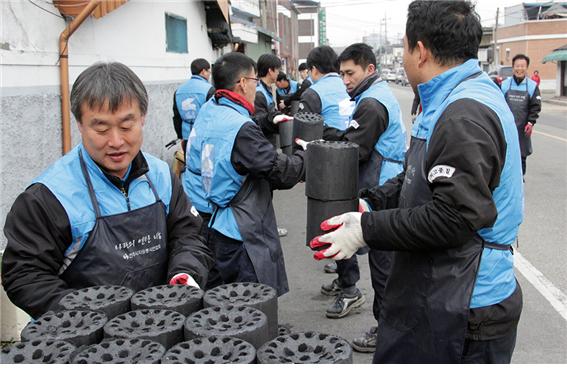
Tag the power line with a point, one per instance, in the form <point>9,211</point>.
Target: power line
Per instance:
<point>45,10</point>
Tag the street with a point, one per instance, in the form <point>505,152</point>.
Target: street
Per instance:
<point>540,258</point>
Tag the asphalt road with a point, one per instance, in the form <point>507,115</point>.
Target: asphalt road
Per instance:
<point>542,334</point>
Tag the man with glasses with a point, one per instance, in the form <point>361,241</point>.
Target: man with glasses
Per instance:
<point>234,169</point>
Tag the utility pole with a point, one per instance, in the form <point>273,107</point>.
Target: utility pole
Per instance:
<point>495,52</point>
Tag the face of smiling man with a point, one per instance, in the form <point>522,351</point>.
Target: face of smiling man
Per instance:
<point>112,139</point>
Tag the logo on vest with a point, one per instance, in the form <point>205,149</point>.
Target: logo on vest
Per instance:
<point>440,171</point>
<point>194,211</point>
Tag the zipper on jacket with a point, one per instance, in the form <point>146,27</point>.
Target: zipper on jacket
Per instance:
<point>125,193</point>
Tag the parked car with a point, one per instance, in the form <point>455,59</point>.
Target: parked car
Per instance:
<point>388,75</point>
<point>500,73</point>
<point>401,78</point>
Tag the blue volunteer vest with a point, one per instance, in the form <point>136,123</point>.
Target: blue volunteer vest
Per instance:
<point>495,279</point>
<point>293,86</point>
<point>391,144</point>
<point>510,83</point>
<point>189,98</point>
<point>65,181</point>
<point>215,133</point>
<point>267,94</point>
<point>336,106</point>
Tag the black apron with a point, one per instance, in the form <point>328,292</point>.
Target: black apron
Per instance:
<point>519,103</point>
<point>369,171</point>
<point>254,213</point>
<point>128,249</point>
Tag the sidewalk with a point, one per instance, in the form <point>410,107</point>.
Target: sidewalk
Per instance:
<point>549,97</point>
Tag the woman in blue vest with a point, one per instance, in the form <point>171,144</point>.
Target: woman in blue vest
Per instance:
<point>105,213</point>
<point>376,126</point>
<point>189,98</point>
<point>238,169</point>
<point>522,95</point>
<point>454,212</point>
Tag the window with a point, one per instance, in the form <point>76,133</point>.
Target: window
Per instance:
<point>175,34</point>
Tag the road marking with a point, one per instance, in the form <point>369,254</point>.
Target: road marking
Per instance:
<point>551,136</point>
<point>553,295</point>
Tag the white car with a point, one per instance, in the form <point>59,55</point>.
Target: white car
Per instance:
<point>388,75</point>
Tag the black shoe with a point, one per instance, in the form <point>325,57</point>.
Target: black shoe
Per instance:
<point>332,289</point>
<point>344,304</point>
<point>330,267</point>
<point>366,343</point>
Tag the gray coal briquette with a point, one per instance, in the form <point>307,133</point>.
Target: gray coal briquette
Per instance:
<point>121,351</point>
<point>37,352</point>
<point>163,326</point>
<point>180,298</point>
<point>255,295</point>
<point>246,323</point>
<point>78,327</point>
<point>305,348</point>
<point>110,299</point>
<point>211,350</point>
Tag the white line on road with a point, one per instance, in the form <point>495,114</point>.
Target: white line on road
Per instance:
<point>551,136</point>
<point>553,295</point>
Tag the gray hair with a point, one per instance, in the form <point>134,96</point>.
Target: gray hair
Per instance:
<point>113,82</point>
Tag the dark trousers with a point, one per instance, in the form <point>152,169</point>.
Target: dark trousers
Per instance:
<point>231,259</point>
<point>497,351</point>
<point>380,263</point>
<point>348,272</point>
<point>524,158</point>
<point>214,279</point>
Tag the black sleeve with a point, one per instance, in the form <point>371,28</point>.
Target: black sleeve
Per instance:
<point>187,251</point>
<point>264,114</point>
<point>210,94</point>
<point>385,196</point>
<point>253,154</point>
<point>177,121</point>
<point>468,137</point>
<point>415,104</point>
<point>534,106</point>
<point>38,232</point>
<point>370,120</point>
<point>310,102</point>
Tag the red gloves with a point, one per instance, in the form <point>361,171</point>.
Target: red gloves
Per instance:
<point>528,129</point>
<point>183,279</point>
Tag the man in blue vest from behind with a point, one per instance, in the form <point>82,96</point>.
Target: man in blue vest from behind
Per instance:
<point>189,98</point>
<point>237,170</point>
<point>106,213</point>
<point>452,216</point>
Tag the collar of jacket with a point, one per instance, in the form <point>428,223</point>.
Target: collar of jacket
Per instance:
<point>328,75</point>
<point>138,167</point>
<point>518,82</point>
<point>363,86</point>
<point>197,76</point>
<point>435,91</point>
<point>234,100</point>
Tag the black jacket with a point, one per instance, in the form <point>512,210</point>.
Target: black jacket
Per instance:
<point>372,119</point>
<point>38,233</point>
<point>253,154</point>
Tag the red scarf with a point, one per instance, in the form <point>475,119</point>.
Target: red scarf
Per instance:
<point>236,98</point>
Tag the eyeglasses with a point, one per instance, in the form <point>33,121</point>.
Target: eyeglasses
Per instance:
<point>255,79</point>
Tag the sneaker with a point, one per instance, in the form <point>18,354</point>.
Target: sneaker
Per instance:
<point>344,304</point>
<point>366,343</point>
<point>332,289</point>
<point>330,267</point>
<point>282,232</point>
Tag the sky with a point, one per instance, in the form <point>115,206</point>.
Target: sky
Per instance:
<point>349,20</point>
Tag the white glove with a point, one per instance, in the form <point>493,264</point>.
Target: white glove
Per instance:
<point>183,279</point>
<point>364,206</point>
<point>281,118</point>
<point>302,143</point>
<point>345,240</point>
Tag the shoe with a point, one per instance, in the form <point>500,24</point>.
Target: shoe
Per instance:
<point>332,289</point>
<point>282,232</point>
<point>344,304</point>
<point>330,267</point>
<point>366,343</point>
